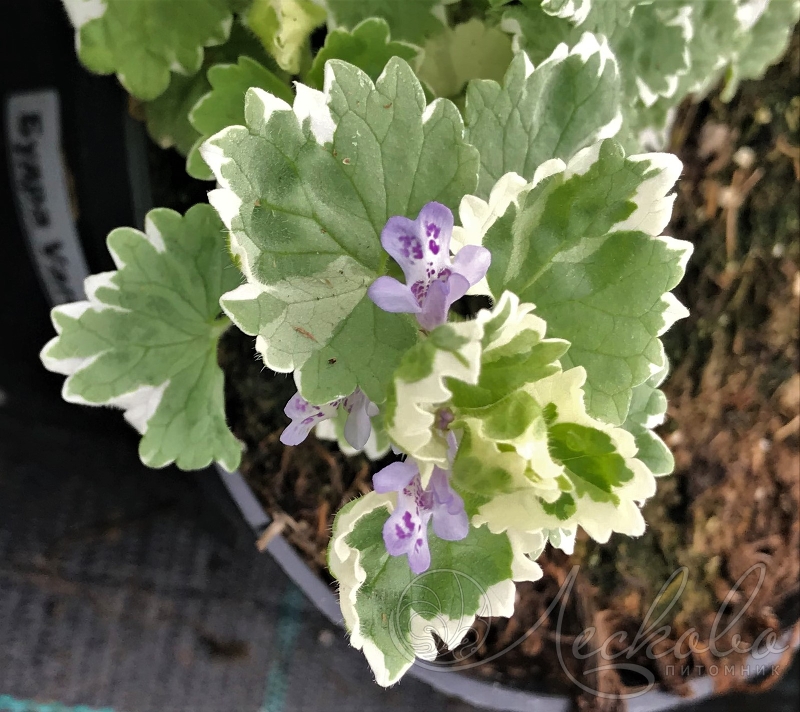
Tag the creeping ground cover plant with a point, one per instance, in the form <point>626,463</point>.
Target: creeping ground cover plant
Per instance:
<point>441,220</point>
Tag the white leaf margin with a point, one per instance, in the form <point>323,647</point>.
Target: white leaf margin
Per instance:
<point>576,11</point>
<point>520,318</point>
<point>310,108</point>
<point>749,12</point>
<point>138,405</point>
<point>653,201</point>
<point>478,215</point>
<point>341,285</point>
<point>682,20</point>
<point>587,46</point>
<point>562,538</point>
<point>261,103</point>
<point>81,12</point>
<point>532,444</point>
<point>309,105</point>
<point>521,510</point>
<point>411,428</point>
<point>345,565</point>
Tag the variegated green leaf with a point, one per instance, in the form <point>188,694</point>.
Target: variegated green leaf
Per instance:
<point>566,103</point>
<point>145,340</point>
<point>583,243</point>
<point>647,411</point>
<point>223,105</point>
<point>142,41</point>
<point>565,469</point>
<point>368,46</point>
<point>306,192</point>
<point>391,613</point>
<point>168,115</point>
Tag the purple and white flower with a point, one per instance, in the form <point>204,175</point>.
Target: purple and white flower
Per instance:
<point>433,280</point>
<point>406,530</point>
<point>305,416</point>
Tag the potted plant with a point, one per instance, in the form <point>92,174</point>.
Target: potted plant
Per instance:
<point>449,229</point>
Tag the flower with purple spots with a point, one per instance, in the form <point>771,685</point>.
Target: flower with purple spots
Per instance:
<point>433,280</point>
<point>406,530</point>
<point>305,416</point>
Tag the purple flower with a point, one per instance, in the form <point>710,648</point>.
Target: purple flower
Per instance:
<point>406,530</point>
<point>305,416</point>
<point>433,281</point>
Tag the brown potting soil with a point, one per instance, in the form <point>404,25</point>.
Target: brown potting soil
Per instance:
<point>728,518</point>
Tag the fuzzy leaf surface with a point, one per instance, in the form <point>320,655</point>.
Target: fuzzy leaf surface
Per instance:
<point>223,105</point>
<point>306,193</point>
<point>568,102</point>
<point>391,613</point>
<point>584,246</point>
<point>146,338</point>
<point>565,470</point>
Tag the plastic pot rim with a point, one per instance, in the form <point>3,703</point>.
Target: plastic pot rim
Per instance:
<point>487,695</point>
